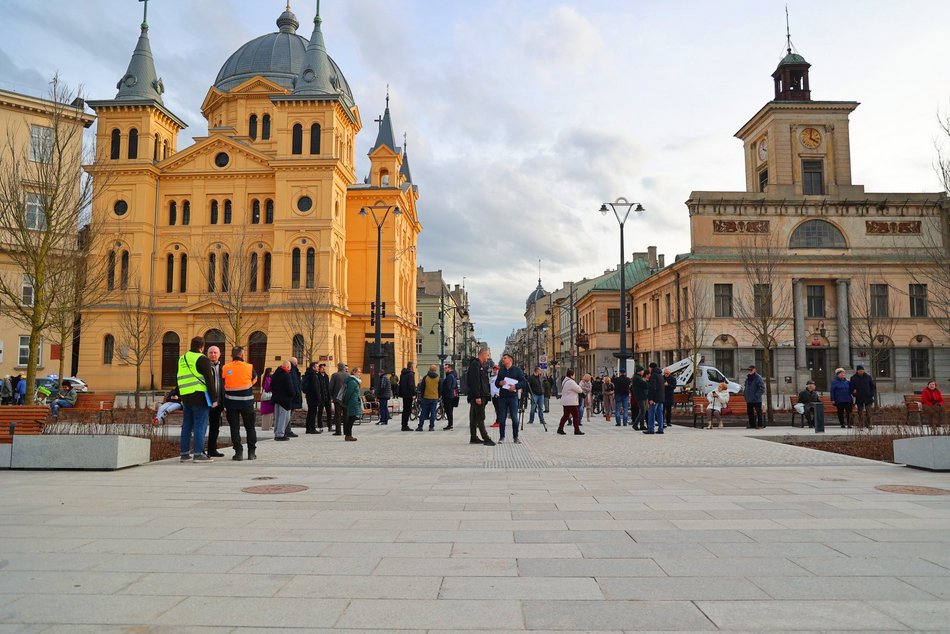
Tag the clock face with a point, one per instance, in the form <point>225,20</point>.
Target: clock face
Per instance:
<point>810,138</point>
<point>763,149</point>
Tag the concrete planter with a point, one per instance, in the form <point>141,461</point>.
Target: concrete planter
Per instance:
<point>925,452</point>
<point>5,452</point>
<point>79,452</point>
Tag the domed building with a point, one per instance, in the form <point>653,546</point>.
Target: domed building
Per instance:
<point>253,235</point>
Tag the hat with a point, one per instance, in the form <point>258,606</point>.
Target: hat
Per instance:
<point>860,367</point>
<point>839,370</point>
<point>654,365</point>
<point>638,368</point>
<point>623,370</point>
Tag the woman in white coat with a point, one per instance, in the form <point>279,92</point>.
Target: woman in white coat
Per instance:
<point>718,400</point>
<point>571,393</point>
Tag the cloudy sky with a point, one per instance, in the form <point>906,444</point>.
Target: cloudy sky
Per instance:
<point>523,116</point>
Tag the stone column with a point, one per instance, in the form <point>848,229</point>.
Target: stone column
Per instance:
<point>844,326</point>
<point>798,305</point>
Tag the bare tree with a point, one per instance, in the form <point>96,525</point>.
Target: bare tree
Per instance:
<point>873,309</point>
<point>137,334</point>
<point>237,280</point>
<point>695,310</point>
<point>762,308</point>
<point>43,194</point>
<point>307,318</point>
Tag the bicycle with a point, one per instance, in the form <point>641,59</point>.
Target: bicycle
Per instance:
<point>417,410</point>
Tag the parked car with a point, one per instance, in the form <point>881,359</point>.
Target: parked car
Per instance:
<point>46,386</point>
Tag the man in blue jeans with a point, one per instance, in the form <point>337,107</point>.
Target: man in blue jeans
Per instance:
<point>655,397</point>
<point>197,388</point>
<point>510,379</point>
<point>536,389</point>
<point>622,397</point>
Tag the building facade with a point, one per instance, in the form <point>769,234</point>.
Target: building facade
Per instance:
<point>258,234</point>
<point>445,330</point>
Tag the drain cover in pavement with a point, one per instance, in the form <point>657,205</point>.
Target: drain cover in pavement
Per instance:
<point>264,478</point>
<point>907,489</point>
<point>275,488</point>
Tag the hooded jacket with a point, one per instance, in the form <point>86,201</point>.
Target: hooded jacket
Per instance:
<point>407,383</point>
<point>841,391</point>
<point>429,386</point>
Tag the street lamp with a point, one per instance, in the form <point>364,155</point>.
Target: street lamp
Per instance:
<point>383,210</point>
<point>570,310</point>
<point>623,207</point>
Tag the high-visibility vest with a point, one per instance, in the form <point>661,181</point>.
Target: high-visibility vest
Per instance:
<point>189,379</point>
<point>238,385</point>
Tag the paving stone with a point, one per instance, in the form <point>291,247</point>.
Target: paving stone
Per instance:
<point>361,587</point>
<point>383,613</point>
<point>730,567</point>
<point>646,550</point>
<point>207,584</point>
<point>86,609</point>
<point>774,549</point>
<point>64,582</point>
<point>600,615</point>
<point>573,537</point>
<point>520,588</point>
<point>797,615</point>
<point>517,551</point>
<point>273,612</point>
<point>839,588</point>
<point>937,586</point>
<point>307,565</point>
<point>680,588</point>
<point>589,568</point>
<point>447,567</point>
<point>873,567</point>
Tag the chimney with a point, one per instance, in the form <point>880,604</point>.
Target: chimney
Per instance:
<point>661,261</point>
<point>651,254</point>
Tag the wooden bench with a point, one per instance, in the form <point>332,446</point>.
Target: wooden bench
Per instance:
<point>914,407</point>
<point>101,402</point>
<point>736,403</point>
<point>21,420</point>
<point>829,407</point>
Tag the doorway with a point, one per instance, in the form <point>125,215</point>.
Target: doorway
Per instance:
<point>170,350</point>
<point>818,367</point>
<point>257,351</point>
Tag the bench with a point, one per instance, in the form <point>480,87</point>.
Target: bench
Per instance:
<point>736,403</point>
<point>92,402</point>
<point>914,406</point>
<point>21,420</point>
<point>830,409</point>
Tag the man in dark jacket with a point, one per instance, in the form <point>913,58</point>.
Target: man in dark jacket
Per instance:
<point>384,392</point>
<point>510,379</point>
<point>669,387</point>
<point>282,396</point>
<point>656,395</point>
<point>324,403</point>
<point>753,391</point>
<point>337,387</point>
<point>215,413</point>
<point>622,397</point>
<point>407,392</point>
<point>809,397</point>
<point>309,386</point>
<point>198,395</point>
<point>639,391</point>
<point>863,388</point>
<point>449,391</point>
<point>298,393</point>
<point>479,393</point>
<point>536,390</point>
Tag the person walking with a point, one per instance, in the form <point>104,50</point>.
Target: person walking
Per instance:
<point>239,378</point>
<point>449,390</point>
<point>656,394</point>
<point>310,388</point>
<point>932,405</point>
<point>841,397</point>
<point>337,386</point>
<point>863,389</point>
<point>282,396</point>
<point>753,391</point>
<point>324,402</point>
<point>429,393</point>
<point>354,404</point>
<point>607,393</point>
<point>622,385</point>
<point>214,414</point>
<point>384,392</point>
<point>571,395</point>
<point>267,403</point>
<point>197,388</point>
<point>510,379</point>
<point>718,400</point>
<point>640,390</point>
<point>669,395</point>
<point>536,390</point>
<point>585,403</point>
<point>407,392</point>
<point>479,393</point>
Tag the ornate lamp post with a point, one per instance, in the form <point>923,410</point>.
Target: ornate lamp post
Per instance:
<point>622,208</point>
<point>383,210</point>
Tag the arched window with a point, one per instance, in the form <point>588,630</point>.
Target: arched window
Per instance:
<point>214,212</point>
<point>817,234</point>
<point>253,273</point>
<point>225,273</point>
<point>296,141</point>
<point>133,143</point>
<point>124,271</point>
<point>170,273</point>
<point>115,146</point>
<point>212,272</point>
<point>108,349</point>
<point>183,274</point>
<point>297,347</point>
<point>315,138</point>
<point>269,212</point>
<point>311,267</point>
<point>165,149</point>
<point>384,178</point>
<point>295,268</point>
<point>252,127</point>
<point>186,213</point>
<point>110,271</point>
<point>155,149</point>
<point>170,350</point>
<point>265,127</point>
<point>266,285</point>
<point>172,213</point>
<point>256,212</point>
<point>227,212</point>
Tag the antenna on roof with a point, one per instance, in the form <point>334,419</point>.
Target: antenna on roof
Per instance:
<point>387,96</point>
<point>788,32</point>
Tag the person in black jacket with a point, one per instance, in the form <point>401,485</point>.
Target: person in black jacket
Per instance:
<point>310,389</point>
<point>298,394</point>
<point>449,392</point>
<point>407,391</point>
<point>510,379</point>
<point>282,391</point>
<point>479,393</point>
<point>214,414</point>
<point>669,389</point>
<point>656,394</point>
<point>536,389</point>
<point>863,388</point>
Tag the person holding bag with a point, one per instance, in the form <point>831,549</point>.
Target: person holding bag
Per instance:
<point>718,403</point>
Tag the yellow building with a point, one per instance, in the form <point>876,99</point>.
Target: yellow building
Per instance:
<point>251,235</point>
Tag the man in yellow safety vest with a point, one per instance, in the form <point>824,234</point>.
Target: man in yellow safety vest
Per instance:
<point>198,395</point>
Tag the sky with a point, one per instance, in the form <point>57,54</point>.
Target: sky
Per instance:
<point>524,116</point>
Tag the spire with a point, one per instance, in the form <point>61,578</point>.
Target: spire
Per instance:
<point>788,34</point>
<point>287,22</point>
<point>385,138</point>
<point>140,80</point>
<point>404,170</point>
<point>317,77</point>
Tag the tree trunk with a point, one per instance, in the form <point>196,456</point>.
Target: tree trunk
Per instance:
<point>32,362</point>
<point>138,383</point>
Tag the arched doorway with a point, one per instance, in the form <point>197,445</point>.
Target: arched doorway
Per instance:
<point>215,337</point>
<point>170,354</point>
<point>257,351</point>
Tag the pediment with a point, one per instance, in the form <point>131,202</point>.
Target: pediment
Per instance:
<point>200,157</point>
<point>205,306</point>
<point>258,85</point>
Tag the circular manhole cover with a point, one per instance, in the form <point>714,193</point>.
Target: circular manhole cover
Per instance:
<point>908,489</point>
<point>275,488</point>
<point>264,478</point>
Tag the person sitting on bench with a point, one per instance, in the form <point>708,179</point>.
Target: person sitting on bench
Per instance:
<point>65,398</point>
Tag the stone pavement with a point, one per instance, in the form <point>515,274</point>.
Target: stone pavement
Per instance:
<point>421,532</point>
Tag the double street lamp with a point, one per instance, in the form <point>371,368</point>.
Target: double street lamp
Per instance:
<point>570,310</point>
<point>622,208</point>
<point>379,213</point>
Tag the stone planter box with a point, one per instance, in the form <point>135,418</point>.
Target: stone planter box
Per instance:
<point>5,451</point>
<point>925,452</point>
<point>79,452</point>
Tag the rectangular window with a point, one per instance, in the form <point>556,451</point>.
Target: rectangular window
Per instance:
<point>685,303</point>
<point>418,345</point>
<point>723,295</point>
<point>613,320</point>
<point>669,308</point>
<point>23,351</point>
<point>883,362</point>
<point>644,315</point>
<point>760,362</point>
<point>879,307</point>
<point>918,300</point>
<point>726,362</point>
<point>762,299</point>
<point>813,178</point>
<point>920,363</point>
<point>419,319</point>
<point>41,144</point>
<point>816,301</point>
<point>763,179</point>
<point>656,313</point>
<point>26,291</point>
<point>627,313</point>
<point>35,212</point>
<point>636,317</point>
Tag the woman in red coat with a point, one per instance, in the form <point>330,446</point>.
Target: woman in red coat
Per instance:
<point>931,401</point>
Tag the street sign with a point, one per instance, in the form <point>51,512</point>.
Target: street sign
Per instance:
<point>543,358</point>
<point>543,365</point>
